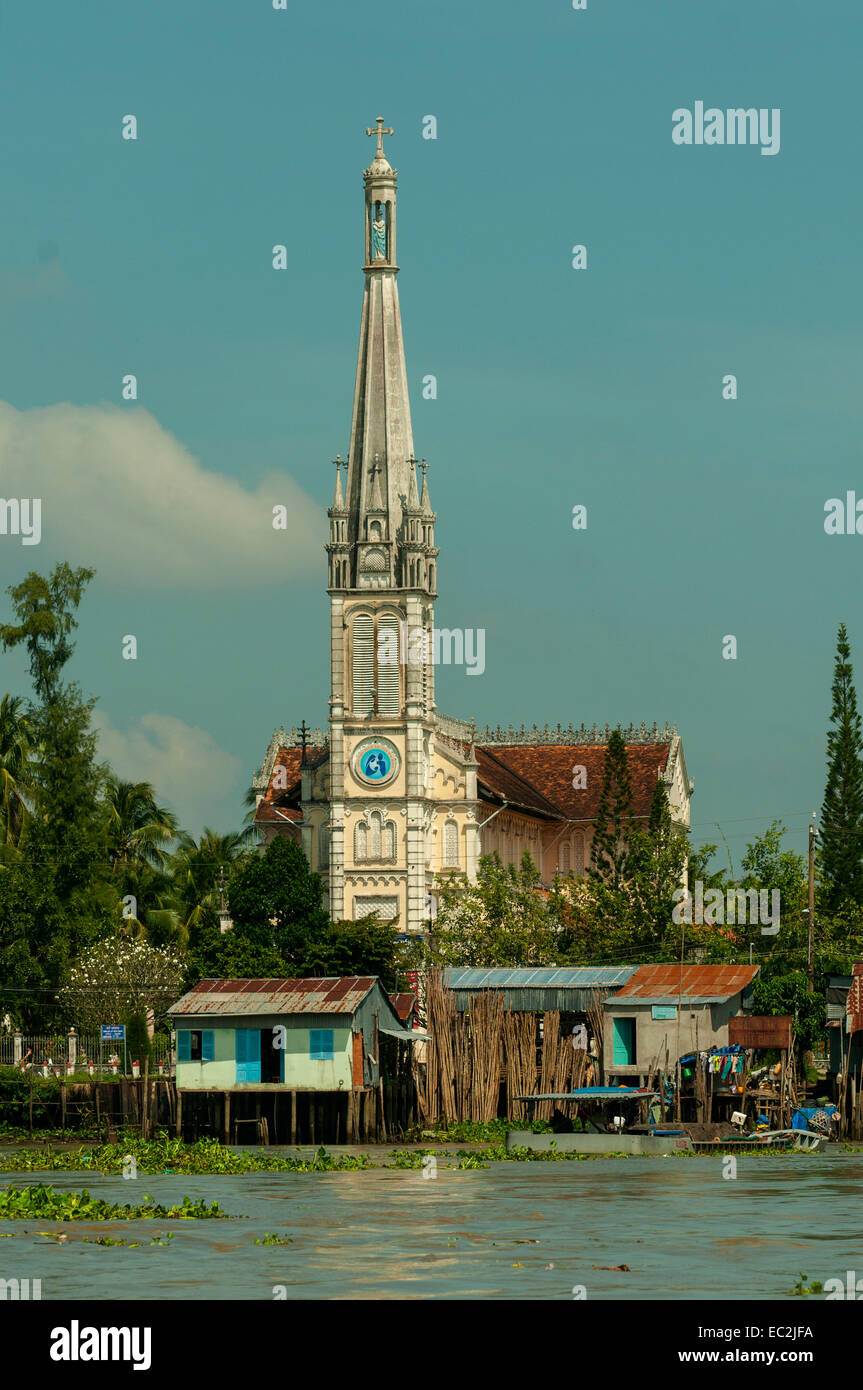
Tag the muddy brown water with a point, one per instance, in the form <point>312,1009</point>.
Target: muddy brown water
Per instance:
<point>511,1230</point>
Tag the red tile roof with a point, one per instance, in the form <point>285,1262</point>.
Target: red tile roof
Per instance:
<point>549,769</point>
<point>534,778</point>
<point>502,781</point>
<point>703,982</point>
<point>283,796</point>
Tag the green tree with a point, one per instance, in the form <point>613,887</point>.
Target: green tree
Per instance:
<point>504,918</point>
<point>275,899</point>
<point>789,994</point>
<point>841,838</point>
<point>196,868</point>
<point>657,860</point>
<point>16,785</point>
<point>610,848</point>
<point>138,829</point>
<point>55,896</point>
<point>46,618</point>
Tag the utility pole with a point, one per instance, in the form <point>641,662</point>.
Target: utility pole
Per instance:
<point>811,956</point>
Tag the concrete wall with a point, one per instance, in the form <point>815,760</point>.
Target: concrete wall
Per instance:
<point>702,1026</point>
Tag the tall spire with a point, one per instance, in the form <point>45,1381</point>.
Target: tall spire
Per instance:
<point>378,476</point>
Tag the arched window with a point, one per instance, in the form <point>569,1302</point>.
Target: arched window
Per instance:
<point>361,841</point>
<point>579,854</point>
<point>323,848</point>
<point>563,859</point>
<point>389,841</point>
<point>375,838</point>
<point>450,845</point>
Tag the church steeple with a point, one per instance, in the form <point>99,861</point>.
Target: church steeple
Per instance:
<point>382,591</point>
<point>381,485</point>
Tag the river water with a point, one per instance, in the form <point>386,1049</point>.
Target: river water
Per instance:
<point>684,1230</point>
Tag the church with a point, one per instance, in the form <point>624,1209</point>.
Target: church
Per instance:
<point>396,794</point>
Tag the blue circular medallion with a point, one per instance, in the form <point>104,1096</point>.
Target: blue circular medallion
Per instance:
<point>375,765</point>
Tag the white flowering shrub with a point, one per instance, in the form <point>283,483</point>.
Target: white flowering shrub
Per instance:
<point>119,977</point>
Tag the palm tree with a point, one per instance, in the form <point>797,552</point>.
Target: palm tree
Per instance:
<point>16,787</point>
<point>137,827</point>
<point>197,865</point>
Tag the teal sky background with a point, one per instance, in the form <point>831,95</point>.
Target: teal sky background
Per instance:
<point>555,386</point>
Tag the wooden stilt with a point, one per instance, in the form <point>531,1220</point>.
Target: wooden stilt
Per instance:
<point>227,1117</point>
<point>179,1122</point>
<point>293,1104</point>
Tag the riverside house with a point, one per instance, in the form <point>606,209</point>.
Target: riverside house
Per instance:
<point>282,1043</point>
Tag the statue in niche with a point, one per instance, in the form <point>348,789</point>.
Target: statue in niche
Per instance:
<point>379,234</point>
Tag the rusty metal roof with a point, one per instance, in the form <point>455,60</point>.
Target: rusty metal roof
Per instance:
<point>854,1006</point>
<point>697,984</point>
<point>403,1005</point>
<point>761,1031</point>
<point>307,996</point>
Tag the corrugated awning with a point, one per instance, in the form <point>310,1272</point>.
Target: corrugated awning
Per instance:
<point>405,1034</point>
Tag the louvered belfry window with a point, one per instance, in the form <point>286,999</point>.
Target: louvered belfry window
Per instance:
<point>376,659</point>
<point>363,663</point>
<point>388,671</point>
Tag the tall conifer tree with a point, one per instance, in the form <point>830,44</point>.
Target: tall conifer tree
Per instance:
<point>841,839</point>
<point>609,853</point>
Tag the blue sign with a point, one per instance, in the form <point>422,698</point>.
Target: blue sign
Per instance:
<point>375,765</point>
<point>113,1032</point>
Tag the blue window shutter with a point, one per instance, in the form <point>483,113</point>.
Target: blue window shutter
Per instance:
<point>321,1042</point>
<point>184,1045</point>
<point>248,1055</point>
<point>208,1045</point>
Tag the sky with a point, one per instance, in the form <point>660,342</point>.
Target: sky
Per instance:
<point>557,387</point>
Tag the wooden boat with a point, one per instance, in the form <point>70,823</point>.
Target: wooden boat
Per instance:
<point>778,1139</point>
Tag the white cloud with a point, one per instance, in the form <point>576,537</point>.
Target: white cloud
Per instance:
<point>187,768</point>
<point>120,493</point>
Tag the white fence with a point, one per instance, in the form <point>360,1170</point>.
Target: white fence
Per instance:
<point>57,1053</point>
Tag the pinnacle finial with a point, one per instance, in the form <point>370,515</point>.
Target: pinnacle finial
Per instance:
<point>338,498</point>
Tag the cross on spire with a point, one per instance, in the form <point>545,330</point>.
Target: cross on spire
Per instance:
<point>380,130</point>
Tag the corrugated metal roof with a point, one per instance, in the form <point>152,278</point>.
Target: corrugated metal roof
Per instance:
<point>697,984</point>
<point>530,990</point>
<point>293,996</point>
<point>544,977</point>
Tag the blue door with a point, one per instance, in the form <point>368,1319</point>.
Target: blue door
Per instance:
<point>248,1055</point>
<point>624,1042</point>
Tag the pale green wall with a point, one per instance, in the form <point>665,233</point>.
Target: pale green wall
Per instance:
<point>301,1072</point>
